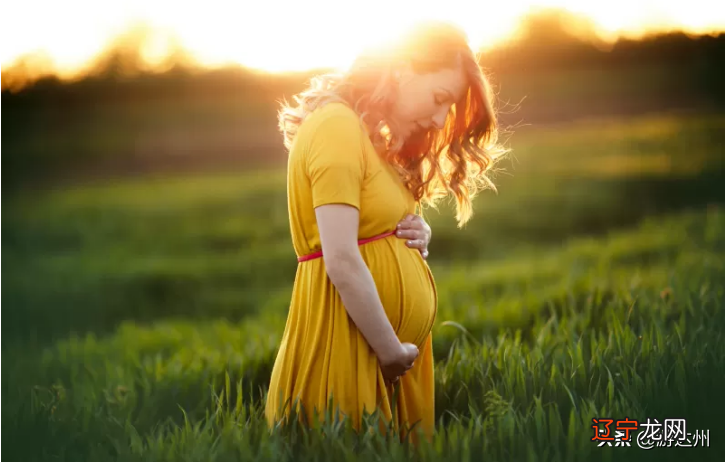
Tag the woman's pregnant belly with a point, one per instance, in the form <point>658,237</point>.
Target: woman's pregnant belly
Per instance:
<point>405,285</point>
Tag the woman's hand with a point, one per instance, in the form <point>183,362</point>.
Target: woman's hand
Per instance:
<point>395,364</point>
<point>416,231</point>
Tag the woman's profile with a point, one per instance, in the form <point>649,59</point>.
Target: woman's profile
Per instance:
<point>406,125</point>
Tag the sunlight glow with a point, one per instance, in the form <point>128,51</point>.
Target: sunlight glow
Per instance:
<point>300,35</point>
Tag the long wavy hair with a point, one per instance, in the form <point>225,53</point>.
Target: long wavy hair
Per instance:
<point>434,163</point>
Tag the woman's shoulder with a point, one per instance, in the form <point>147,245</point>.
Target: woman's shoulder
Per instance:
<point>336,117</point>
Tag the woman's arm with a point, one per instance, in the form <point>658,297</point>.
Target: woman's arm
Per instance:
<point>338,228</point>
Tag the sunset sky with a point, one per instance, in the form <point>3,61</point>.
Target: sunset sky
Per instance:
<point>278,36</point>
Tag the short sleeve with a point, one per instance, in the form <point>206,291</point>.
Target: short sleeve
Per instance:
<point>335,159</point>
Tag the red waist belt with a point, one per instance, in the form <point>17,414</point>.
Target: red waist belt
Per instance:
<point>318,254</point>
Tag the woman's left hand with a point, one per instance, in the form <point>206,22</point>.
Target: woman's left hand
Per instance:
<point>416,231</point>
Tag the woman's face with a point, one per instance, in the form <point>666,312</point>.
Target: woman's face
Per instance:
<point>424,100</point>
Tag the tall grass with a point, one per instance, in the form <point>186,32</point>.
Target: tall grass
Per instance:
<point>142,319</point>
<point>636,333</point>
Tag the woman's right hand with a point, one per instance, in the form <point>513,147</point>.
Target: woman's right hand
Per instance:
<point>399,362</point>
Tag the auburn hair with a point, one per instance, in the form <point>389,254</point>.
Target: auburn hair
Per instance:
<point>434,163</point>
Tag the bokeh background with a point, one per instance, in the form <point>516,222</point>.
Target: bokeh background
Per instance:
<point>148,263</point>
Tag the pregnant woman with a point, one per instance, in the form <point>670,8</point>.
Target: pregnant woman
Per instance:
<point>406,125</point>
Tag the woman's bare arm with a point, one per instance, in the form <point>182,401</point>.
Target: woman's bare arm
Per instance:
<point>338,228</point>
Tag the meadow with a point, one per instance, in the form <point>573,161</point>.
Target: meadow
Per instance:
<point>142,315</point>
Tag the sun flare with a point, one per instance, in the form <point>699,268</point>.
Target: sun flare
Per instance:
<point>67,37</point>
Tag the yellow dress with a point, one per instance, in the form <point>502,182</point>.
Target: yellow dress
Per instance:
<point>322,353</point>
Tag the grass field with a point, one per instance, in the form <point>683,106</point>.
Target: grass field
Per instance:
<point>142,316</point>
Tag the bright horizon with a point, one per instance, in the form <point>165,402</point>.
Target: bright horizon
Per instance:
<point>72,34</point>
